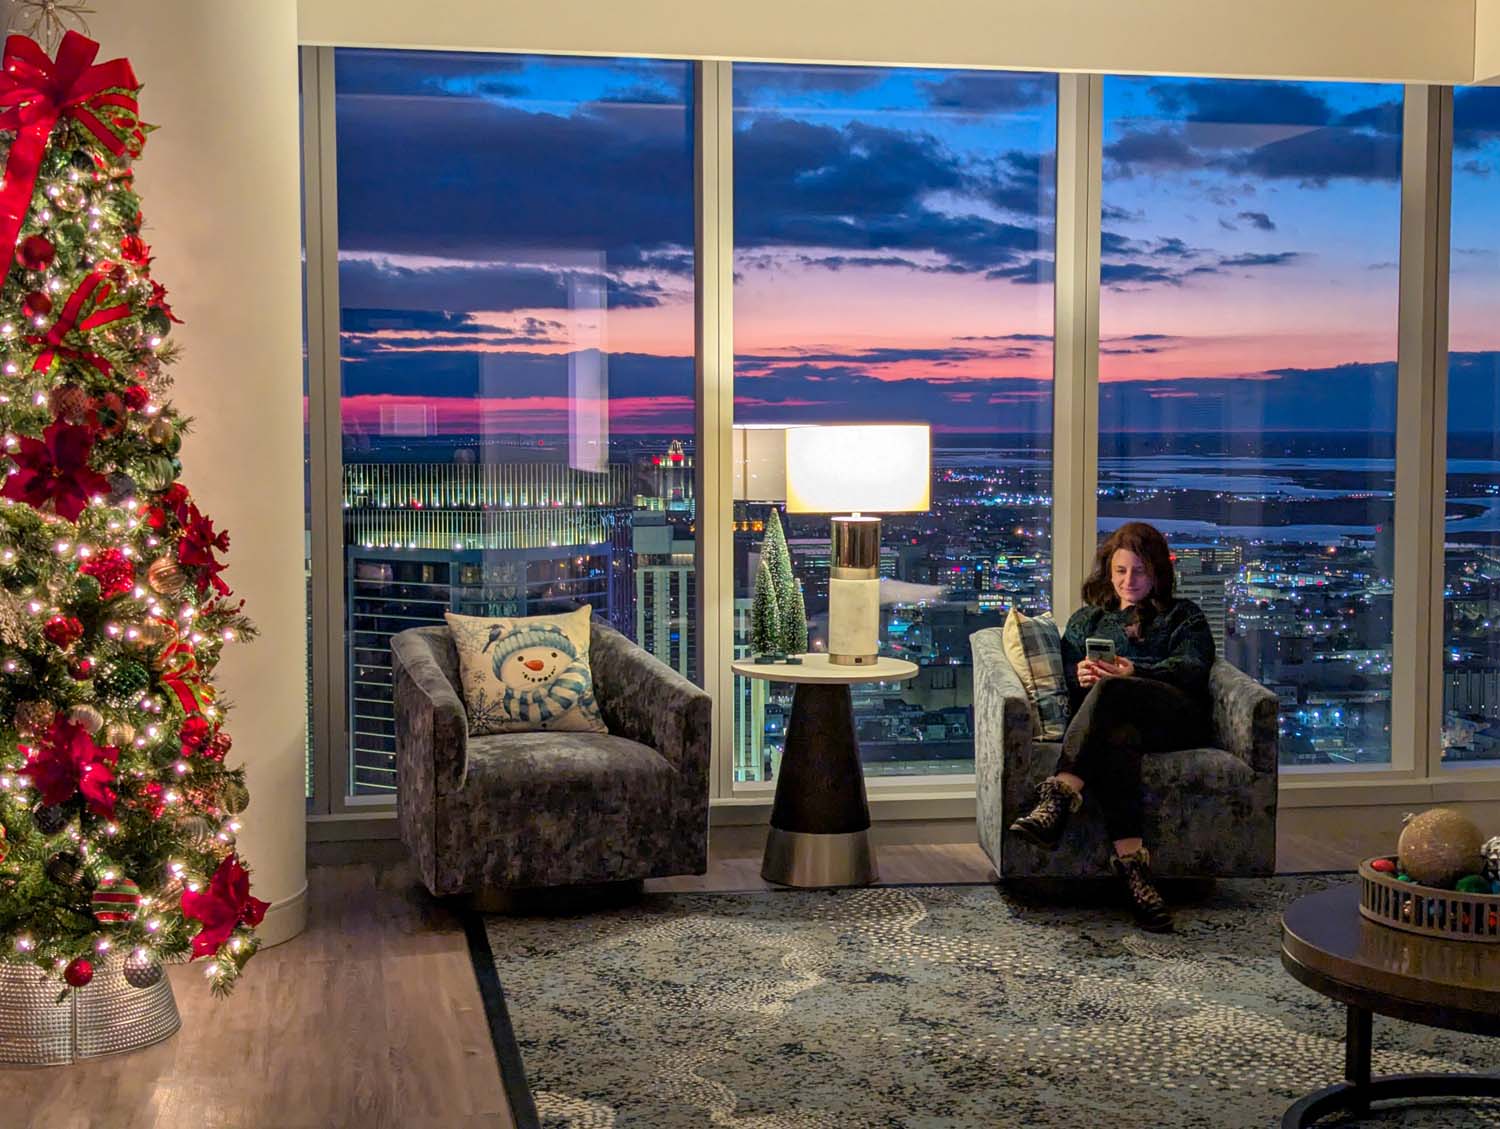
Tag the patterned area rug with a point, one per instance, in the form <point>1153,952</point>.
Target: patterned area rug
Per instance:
<point>934,1007</point>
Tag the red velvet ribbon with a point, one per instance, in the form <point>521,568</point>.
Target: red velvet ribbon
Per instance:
<point>35,92</point>
<point>93,288</point>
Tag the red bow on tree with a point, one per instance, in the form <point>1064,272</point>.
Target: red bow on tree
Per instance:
<point>68,762</point>
<point>225,905</point>
<point>92,293</point>
<point>36,91</point>
<point>55,468</point>
<point>197,547</point>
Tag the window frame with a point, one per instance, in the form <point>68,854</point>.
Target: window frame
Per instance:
<point>1417,772</point>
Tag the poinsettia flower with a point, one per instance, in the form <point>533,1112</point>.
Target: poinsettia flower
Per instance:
<point>159,301</point>
<point>196,549</point>
<point>133,249</point>
<point>67,762</point>
<point>222,907</point>
<point>55,469</point>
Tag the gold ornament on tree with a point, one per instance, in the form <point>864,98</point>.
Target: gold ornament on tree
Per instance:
<point>166,576</point>
<point>119,734</point>
<point>1440,846</point>
<point>86,716</point>
<point>33,718</point>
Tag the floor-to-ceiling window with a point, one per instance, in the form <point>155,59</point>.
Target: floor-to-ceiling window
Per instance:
<point>1247,365</point>
<point>1471,606</point>
<point>515,273</point>
<point>893,241</point>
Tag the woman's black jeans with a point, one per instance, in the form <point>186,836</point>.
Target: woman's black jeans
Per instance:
<point>1118,721</point>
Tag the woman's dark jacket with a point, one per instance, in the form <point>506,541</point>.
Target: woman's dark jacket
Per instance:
<point>1176,648</point>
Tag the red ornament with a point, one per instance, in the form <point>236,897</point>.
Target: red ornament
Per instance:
<point>196,734</point>
<point>197,547</point>
<point>151,798</point>
<point>219,747</point>
<point>36,304</point>
<point>1385,866</point>
<point>54,469</point>
<point>136,397</point>
<point>107,416</point>
<point>113,570</point>
<point>68,763</point>
<point>63,631</point>
<point>79,972</point>
<point>81,669</point>
<point>36,252</point>
<point>225,905</point>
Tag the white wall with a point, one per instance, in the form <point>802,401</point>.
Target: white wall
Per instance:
<point>220,191</point>
<point>1378,40</point>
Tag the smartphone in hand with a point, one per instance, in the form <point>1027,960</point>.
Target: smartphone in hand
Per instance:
<point>1099,650</point>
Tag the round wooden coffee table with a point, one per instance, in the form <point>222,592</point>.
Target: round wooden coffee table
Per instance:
<point>1372,968</point>
<point>820,820</point>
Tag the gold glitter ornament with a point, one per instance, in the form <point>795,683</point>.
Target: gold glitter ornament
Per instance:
<point>161,432</point>
<point>33,718</point>
<point>70,198</point>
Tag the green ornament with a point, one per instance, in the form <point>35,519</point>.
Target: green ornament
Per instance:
<point>72,232</point>
<point>156,322</point>
<point>86,590</point>
<point>156,472</point>
<point>1405,878</point>
<point>1473,884</point>
<point>82,160</point>
<point>120,684</point>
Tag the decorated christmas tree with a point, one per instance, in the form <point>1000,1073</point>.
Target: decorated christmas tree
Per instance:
<point>117,806</point>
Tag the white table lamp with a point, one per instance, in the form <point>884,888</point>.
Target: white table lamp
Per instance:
<point>885,468</point>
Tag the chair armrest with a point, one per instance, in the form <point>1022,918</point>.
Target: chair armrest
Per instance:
<point>645,700</point>
<point>1000,699</point>
<point>432,728</point>
<point>1244,716</point>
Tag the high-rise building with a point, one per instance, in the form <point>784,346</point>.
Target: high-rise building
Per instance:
<point>665,592</point>
<point>1209,590</point>
<point>495,539</point>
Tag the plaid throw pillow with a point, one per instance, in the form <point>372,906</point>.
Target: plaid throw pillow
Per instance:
<point>1034,648</point>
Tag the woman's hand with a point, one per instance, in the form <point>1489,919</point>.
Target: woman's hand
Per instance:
<point>1120,668</point>
<point>1091,670</point>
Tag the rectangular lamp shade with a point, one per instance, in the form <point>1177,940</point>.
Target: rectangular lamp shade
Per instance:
<point>858,468</point>
<point>760,462</point>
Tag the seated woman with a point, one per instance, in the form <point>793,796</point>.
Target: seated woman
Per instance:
<point>1152,698</point>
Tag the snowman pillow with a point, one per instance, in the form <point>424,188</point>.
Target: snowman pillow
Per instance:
<point>525,674</point>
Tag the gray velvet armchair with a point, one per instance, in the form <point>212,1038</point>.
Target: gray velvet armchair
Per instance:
<point>1209,812</point>
<point>525,810</point>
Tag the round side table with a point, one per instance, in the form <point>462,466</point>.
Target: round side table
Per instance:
<point>820,821</point>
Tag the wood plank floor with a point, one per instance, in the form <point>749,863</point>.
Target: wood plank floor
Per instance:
<point>371,1018</point>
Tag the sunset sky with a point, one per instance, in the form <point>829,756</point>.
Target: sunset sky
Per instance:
<point>505,222</point>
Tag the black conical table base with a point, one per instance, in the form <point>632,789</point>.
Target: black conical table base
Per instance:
<point>820,822</point>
